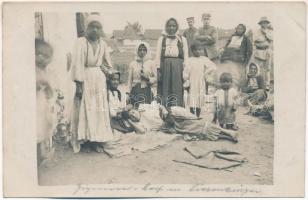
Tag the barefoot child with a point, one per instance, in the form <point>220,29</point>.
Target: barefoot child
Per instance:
<point>44,101</point>
<point>141,76</point>
<point>226,106</point>
<point>198,70</point>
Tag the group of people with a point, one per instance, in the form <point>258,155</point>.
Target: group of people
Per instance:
<point>186,69</point>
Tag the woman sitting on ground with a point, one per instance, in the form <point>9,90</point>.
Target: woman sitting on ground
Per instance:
<point>265,109</point>
<point>254,87</point>
<point>236,55</point>
<point>123,117</point>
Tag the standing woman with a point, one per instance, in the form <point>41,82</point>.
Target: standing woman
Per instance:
<point>91,121</point>
<point>172,50</point>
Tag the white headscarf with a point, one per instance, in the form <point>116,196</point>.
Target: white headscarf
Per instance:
<point>248,66</point>
<point>94,18</point>
<point>147,46</point>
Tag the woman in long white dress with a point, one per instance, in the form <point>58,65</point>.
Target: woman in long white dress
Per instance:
<point>90,124</point>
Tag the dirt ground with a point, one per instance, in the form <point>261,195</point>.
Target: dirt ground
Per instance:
<point>256,143</point>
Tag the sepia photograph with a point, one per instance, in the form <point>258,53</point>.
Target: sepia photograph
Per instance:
<point>181,99</point>
<point>159,94</point>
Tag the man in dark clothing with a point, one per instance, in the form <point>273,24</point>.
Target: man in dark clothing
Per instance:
<point>189,33</point>
<point>207,35</point>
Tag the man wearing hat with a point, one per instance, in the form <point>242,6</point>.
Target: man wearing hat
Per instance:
<point>263,49</point>
<point>207,35</point>
<point>189,33</point>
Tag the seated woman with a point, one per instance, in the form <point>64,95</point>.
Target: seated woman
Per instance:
<point>254,86</point>
<point>266,108</point>
<point>183,122</point>
<point>118,110</point>
<point>236,55</point>
<point>123,117</point>
<point>238,47</point>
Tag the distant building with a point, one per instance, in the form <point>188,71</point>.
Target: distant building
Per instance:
<point>127,37</point>
<point>111,45</point>
<point>152,35</point>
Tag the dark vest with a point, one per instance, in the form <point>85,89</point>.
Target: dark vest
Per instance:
<point>180,47</point>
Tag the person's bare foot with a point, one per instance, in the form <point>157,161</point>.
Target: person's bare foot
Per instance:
<point>98,148</point>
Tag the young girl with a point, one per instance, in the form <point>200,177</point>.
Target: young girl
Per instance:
<point>44,101</point>
<point>226,105</point>
<point>141,76</point>
<point>197,71</point>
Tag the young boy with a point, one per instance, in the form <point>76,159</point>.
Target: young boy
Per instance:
<point>226,105</point>
<point>198,70</point>
<point>44,97</point>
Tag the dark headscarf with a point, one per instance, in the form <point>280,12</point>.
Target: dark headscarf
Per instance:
<point>244,27</point>
<point>109,84</point>
<point>177,27</point>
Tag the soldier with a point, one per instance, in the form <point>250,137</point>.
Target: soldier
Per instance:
<point>207,35</point>
<point>189,33</point>
<point>263,41</point>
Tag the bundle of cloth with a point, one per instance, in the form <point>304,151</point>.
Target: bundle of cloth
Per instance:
<point>220,159</point>
<point>183,122</point>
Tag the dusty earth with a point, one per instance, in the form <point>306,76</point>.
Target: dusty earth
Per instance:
<point>256,141</point>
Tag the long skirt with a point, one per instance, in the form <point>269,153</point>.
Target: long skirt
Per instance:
<point>237,70</point>
<point>140,95</point>
<point>171,91</point>
<point>91,120</point>
<point>204,130</point>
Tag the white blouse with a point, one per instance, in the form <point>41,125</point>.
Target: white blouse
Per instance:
<point>171,48</point>
<point>149,69</point>
<point>236,42</point>
<point>83,54</point>
<point>115,105</point>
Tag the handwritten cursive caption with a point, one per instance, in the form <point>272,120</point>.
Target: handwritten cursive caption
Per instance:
<point>157,189</point>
